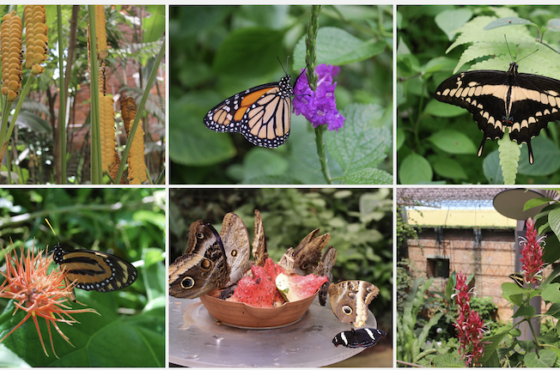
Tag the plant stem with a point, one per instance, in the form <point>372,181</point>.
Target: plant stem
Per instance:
<point>62,97</point>
<point>311,61</point>
<point>139,112</point>
<point>96,175</point>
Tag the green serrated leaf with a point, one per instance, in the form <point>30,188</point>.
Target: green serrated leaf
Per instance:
<point>491,168</point>
<point>337,47</point>
<point>509,158</point>
<point>451,20</point>
<point>508,21</point>
<point>369,176</point>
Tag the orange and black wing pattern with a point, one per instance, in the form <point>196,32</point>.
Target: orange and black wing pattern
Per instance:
<point>95,270</point>
<point>261,114</point>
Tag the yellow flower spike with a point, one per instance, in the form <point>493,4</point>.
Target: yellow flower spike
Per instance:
<point>136,164</point>
<point>10,49</point>
<point>36,38</point>
<point>107,128</point>
<point>100,31</point>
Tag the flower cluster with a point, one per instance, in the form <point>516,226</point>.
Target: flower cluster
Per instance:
<point>319,107</point>
<point>39,293</point>
<point>36,37</point>
<point>10,35</point>
<point>532,253</point>
<point>469,325</point>
<point>107,128</point>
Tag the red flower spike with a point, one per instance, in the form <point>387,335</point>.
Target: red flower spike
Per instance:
<point>38,293</point>
<point>532,253</point>
<point>470,326</point>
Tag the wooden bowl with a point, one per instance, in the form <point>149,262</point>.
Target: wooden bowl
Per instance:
<point>242,315</point>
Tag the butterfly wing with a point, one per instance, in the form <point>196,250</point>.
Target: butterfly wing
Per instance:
<point>195,274</point>
<point>518,279</point>
<point>261,114</point>
<point>325,269</point>
<point>95,270</point>
<point>366,337</point>
<point>350,299</point>
<point>308,253</point>
<point>260,251</point>
<point>235,239</point>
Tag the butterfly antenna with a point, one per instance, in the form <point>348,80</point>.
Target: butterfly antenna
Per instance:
<point>509,51</point>
<point>528,55</point>
<point>286,72</point>
<point>56,236</point>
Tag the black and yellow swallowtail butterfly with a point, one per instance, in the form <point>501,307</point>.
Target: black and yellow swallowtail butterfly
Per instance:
<point>523,102</point>
<point>518,279</point>
<point>94,270</point>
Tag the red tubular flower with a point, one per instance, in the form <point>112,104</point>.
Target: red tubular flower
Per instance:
<point>532,253</point>
<point>38,293</point>
<point>470,326</point>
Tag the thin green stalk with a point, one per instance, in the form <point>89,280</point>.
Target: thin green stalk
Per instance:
<point>148,176</point>
<point>311,61</point>
<point>139,112</point>
<point>21,98</point>
<point>161,177</point>
<point>9,166</point>
<point>62,92</point>
<point>3,128</point>
<point>96,174</point>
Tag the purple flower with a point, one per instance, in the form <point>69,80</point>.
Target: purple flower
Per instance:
<point>319,107</point>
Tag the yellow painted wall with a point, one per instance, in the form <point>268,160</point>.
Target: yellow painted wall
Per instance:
<point>460,218</point>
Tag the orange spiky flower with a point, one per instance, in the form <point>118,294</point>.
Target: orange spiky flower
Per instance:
<point>39,293</point>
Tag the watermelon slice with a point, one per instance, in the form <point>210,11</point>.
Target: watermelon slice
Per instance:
<point>295,287</point>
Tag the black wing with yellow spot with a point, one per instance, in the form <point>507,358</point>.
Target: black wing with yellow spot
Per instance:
<point>262,114</point>
<point>94,270</point>
<point>523,102</point>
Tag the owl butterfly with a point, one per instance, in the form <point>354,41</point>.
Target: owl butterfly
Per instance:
<point>350,299</point>
<point>203,267</point>
<point>305,258</point>
<point>366,337</point>
<point>235,239</point>
<point>260,253</point>
<point>324,268</point>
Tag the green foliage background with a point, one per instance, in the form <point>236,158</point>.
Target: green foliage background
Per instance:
<point>437,142</point>
<point>219,51</point>
<point>129,223</point>
<point>358,220</point>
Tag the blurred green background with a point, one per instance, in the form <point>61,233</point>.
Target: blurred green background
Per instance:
<point>129,223</point>
<point>358,220</point>
<point>437,142</point>
<point>218,51</point>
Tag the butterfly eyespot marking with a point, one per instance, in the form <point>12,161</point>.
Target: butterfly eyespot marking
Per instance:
<point>187,283</point>
<point>304,266</point>
<point>206,264</point>
<point>234,253</point>
<point>200,235</point>
<point>351,295</point>
<point>347,310</point>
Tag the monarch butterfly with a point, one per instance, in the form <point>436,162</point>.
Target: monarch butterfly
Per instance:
<point>262,113</point>
<point>94,270</point>
<point>517,279</point>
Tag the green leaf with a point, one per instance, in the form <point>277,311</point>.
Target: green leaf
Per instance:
<point>439,109</point>
<point>448,167</point>
<point>401,137</point>
<point>359,145</point>
<point>249,51</point>
<point>193,144</point>
<point>554,221</point>
<point>493,343</point>
<point>9,359</point>
<point>547,158</point>
<point>451,20</point>
<point>551,250</point>
<point>545,359</point>
<point>415,169</point>
<point>33,122</point>
<point>551,293</point>
<point>535,202</point>
<point>525,311</point>
<point>263,162</point>
<point>154,25</point>
<point>509,158</point>
<point>513,293</point>
<point>491,168</point>
<point>507,21</point>
<point>369,176</point>
<point>452,141</point>
<point>553,25</point>
<point>337,47</point>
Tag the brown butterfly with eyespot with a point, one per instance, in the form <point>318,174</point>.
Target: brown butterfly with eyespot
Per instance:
<point>350,299</point>
<point>203,267</point>
<point>324,268</point>
<point>304,259</point>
